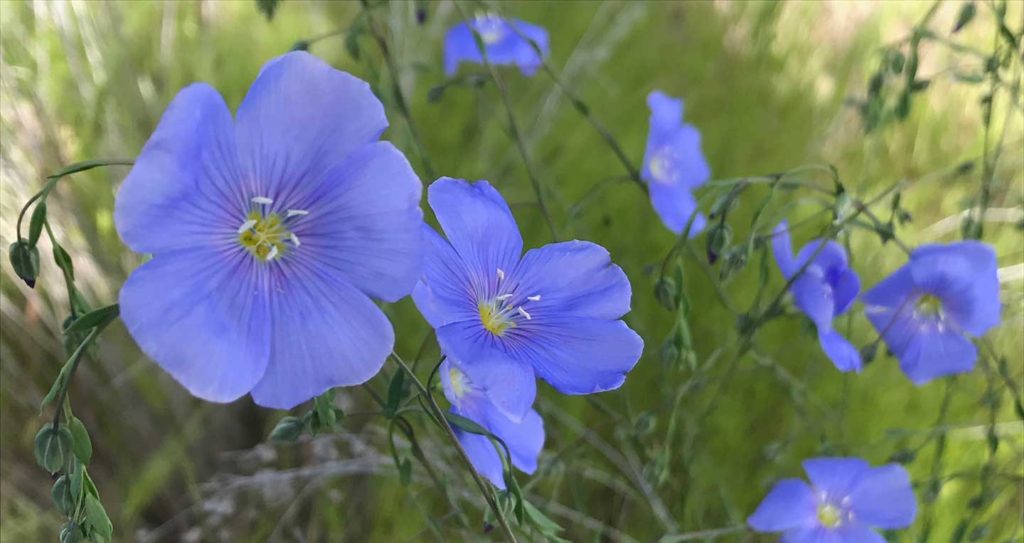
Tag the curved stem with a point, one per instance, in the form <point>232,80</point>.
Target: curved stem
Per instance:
<point>440,419</point>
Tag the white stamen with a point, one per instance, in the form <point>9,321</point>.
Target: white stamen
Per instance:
<point>246,225</point>
<point>524,313</point>
<point>503,297</point>
<point>296,213</point>
<point>501,274</point>
<point>295,240</point>
<point>534,298</point>
<point>272,253</point>
<point>262,200</point>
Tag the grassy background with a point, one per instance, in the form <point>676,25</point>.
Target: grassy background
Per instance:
<point>768,85</point>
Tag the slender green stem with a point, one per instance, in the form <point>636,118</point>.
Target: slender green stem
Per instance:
<point>72,365</point>
<point>396,85</point>
<point>440,419</point>
<point>513,126</point>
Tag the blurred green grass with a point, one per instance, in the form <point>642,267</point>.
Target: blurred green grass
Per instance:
<point>766,83</point>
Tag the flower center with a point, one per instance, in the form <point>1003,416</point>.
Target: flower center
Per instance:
<point>929,305</point>
<point>491,29</point>
<point>504,311</point>
<point>264,233</point>
<point>460,384</point>
<point>829,515</point>
<point>661,165</point>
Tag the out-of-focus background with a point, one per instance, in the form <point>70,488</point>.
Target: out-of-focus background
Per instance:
<point>771,86</point>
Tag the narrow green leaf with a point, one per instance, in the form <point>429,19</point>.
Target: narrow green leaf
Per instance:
<point>35,225</point>
<point>405,471</point>
<point>81,443</point>
<point>287,429</point>
<point>464,424</point>
<point>62,496</point>
<point>395,393</point>
<point>96,519</point>
<point>540,520</point>
<point>98,317</point>
<point>63,261</point>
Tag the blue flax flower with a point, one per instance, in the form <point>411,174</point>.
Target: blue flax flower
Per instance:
<point>496,395</point>
<point>845,502</point>
<point>674,164</point>
<point>554,311</point>
<point>507,42</point>
<point>825,290</point>
<point>928,310</point>
<point>270,233</point>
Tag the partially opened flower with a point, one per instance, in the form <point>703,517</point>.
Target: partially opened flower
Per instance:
<point>506,41</point>
<point>554,311</point>
<point>826,289</point>
<point>270,233</point>
<point>674,164</point>
<point>845,502</point>
<point>496,395</point>
<point>928,310</point>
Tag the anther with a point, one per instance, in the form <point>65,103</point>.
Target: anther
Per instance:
<point>501,274</point>
<point>534,298</point>
<point>295,213</point>
<point>272,253</point>
<point>523,313</point>
<point>295,240</point>
<point>263,200</point>
<point>247,225</point>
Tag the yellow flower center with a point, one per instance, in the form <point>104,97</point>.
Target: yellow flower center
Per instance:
<point>264,236</point>
<point>494,317</point>
<point>929,305</point>
<point>460,384</point>
<point>829,515</point>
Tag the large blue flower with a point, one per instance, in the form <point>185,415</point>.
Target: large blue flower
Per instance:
<point>928,310</point>
<point>555,310</point>
<point>674,164</point>
<point>846,500</point>
<point>507,41</point>
<point>270,234</point>
<point>496,395</point>
<point>826,289</point>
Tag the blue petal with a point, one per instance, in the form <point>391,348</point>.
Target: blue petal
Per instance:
<point>858,533</point>
<point>202,315</point>
<point>891,292</point>
<point>883,498</point>
<point>445,292</point>
<point>525,56</point>
<point>790,504</point>
<point>675,204</point>
<point>843,354</point>
<point>480,227</point>
<point>666,115</point>
<point>844,291</point>
<point>782,249</point>
<point>933,353</point>
<point>814,297</point>
<point>365,221</point>
<point>964,276</point>
<point>524,438</point>
<point>574,278</point>
<point>578,355</point>
<point>460,46</point>
<point>326,334</point>
<point>835,476</point>
<point>483,456</point>
<point>830,257</point>
<point>812,534</point>
<point>185,187</point>
<point>301,117</point>
<point>509,385</point>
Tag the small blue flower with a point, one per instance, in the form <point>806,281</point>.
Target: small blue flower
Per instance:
<point>270,233</point>
<point>674,164</point>
<point>928,310</point>
<point>845,502</point>
<point>496,395</point>
<point>825,290</point>
<point>507,42</point>
<point>554,311</point>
